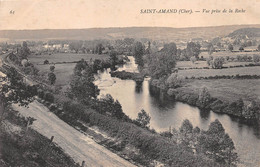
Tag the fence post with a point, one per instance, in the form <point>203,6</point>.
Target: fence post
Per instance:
<point>27,126</point>
<point>51,139</point>
<point>46,148</point>
<point>83,164</point>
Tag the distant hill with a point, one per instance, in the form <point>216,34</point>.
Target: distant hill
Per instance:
<point>249,32</point>
<point>155,33</point>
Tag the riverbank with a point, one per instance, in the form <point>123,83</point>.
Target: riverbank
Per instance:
<point>136,144</point>
<point>234,97</point>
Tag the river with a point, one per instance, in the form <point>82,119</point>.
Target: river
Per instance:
<point>164,113</point>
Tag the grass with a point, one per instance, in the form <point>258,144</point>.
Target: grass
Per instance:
<point>28,148</point>
<point>62,71</point>
<point>227,89</point>
<point>64,57</point>
<point>201,64</point>
<point>226,71</point>
<point>228,53</point>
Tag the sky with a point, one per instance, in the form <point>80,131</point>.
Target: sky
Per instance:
<point>76,14</point>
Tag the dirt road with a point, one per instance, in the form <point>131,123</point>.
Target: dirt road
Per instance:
<point>77,145</point>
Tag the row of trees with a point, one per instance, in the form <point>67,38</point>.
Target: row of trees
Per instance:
<point>215,143</point>
<point>14,90</point>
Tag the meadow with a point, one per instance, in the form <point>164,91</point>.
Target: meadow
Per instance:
<point>228,90</point>
<point>227,53</point>
<point>202,64</point>
<point>62,71</point>
<point>64,57</point>
<point>226,71</point>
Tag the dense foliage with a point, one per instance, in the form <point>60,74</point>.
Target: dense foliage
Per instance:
<point>161,64</point>
<point>138,52</point>
<point>82,87</point>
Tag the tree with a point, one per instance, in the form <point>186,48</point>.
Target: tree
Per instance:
<point>193,49</point>
<point>113,58</point>
<point>210,48</point>
<point>204,97</point>
<point>193,59</point>
<point>186,130</point>
<point>14,90</point>
<point>24,51</point>
<point>82,87</point>
<point>107,104</point>
<point>143,118</point>
<point>217,62</point>
<point>51,78</point>
<point>52,68</point>
<point>148,50</point>
<point>80,66</point>
<point>217,145</point>
<point>170,49</point>
<point>174,81</point>
<point>161,64</point>
<point>99,48</point>
<point>230,47</point>
<point>256,58</point>
<point>46,61</point>
<point>75,46</point>
<point>186,127</point>
<point>138,52</point>
<point>241,48</point>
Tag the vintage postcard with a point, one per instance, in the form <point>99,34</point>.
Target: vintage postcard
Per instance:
<point>156,83</point>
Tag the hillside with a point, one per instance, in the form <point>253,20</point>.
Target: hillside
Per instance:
<point>249,32</point>
<point>155,33</point>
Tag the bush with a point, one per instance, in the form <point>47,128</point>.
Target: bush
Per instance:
<point>49,97</point>
<point>52,68</point>
<point>152,145</point>
<point>51,78</point>
<point>216,63</point>
<point>209,60</point>
<point>193,59</point>
<point>107,105</point>
<point>174,81</point>
<point>204,98</point>
<point>256,58</point>
<point>46,62</point>
<point>143,119</point>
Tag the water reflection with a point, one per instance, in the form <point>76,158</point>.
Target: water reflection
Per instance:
<point>165,113</point>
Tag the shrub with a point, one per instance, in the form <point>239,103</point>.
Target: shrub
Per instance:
<point>49,97</point>
<point>217,62</point>
<point>204,98</point>
<point>143,118</point>
<point>174,81</point>
<point>46,62</point>
<point>256,58</point>
<point>52,68</point>
<point>51,78</point>
<point>193,59</point>
<point>209,60</point>
<point>152,145</point>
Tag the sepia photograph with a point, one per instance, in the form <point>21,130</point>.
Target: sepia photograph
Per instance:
<point>129,83</point>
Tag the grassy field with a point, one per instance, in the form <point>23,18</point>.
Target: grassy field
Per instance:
<point>64,57</point>
<point>227,89</point>
<point>62,71</point>
<point>226,71</point>
<point>201,64</point>
<point>228,53</point>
